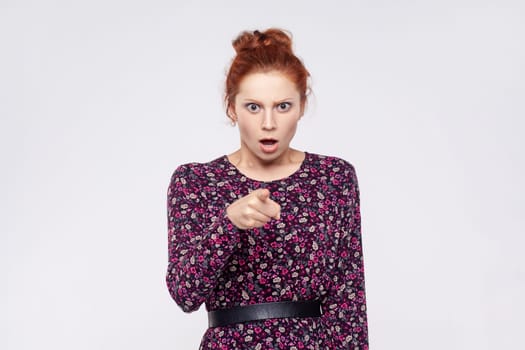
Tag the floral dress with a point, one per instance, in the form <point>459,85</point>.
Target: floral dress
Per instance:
<point>313,252</point>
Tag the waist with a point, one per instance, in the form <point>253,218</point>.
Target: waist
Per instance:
<point>263,311</point>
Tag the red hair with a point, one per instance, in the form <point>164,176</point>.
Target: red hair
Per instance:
<point>263,52</point>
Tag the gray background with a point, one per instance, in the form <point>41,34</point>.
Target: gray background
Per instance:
<point>101,100</point>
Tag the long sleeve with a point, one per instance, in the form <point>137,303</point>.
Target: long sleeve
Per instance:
<point>345,307</point>
<point>201,238</point>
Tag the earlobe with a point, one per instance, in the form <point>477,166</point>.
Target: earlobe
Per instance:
<point>232,116</point>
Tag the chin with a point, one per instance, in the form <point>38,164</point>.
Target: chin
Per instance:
<point>270,157</point>
<point>267,157</point>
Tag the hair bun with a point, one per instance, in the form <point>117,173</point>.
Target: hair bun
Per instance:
<point>255,40</point>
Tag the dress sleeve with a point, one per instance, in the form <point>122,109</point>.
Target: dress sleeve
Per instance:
<point>201,238</point>
<point>344,310</point>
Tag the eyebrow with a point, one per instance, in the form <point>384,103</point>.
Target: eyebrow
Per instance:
<point>287,99</point>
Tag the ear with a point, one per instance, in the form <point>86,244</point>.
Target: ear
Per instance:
<point>231,114</point>
<point>302,110</point>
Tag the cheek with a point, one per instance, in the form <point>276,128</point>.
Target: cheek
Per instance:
<point>246,130</point>
<point>291,128</point>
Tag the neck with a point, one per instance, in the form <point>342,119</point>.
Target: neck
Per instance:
<point>281,167</point>
<point>246,159</point>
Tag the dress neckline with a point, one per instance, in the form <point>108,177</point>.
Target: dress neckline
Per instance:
<point>283,179</point>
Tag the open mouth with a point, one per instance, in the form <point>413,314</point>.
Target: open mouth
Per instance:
<point>268,142</point>
<point>269,145</point>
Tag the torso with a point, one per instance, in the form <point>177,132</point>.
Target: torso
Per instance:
<point>294,258</point>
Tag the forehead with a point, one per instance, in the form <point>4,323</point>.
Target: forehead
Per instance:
<point>270,86</point>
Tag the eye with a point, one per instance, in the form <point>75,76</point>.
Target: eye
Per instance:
<point>284,106</point>
<point>253,107</point>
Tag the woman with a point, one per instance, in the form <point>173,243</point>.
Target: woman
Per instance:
<point>268,237</point>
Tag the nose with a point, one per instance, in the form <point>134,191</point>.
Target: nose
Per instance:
<point>268,122</point>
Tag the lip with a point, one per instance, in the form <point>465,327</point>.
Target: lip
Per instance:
<point>268,147</point>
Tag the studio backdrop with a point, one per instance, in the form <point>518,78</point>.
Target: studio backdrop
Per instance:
<point>100,101</point>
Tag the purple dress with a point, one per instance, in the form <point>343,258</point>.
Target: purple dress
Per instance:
<point>313,252</point>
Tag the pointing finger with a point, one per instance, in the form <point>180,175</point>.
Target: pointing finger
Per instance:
<point>263,194</point>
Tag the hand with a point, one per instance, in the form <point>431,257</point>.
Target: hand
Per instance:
<point>253,210</point>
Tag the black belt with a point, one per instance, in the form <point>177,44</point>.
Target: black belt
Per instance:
<point>257,312</point>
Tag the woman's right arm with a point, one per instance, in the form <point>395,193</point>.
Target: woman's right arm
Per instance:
<point>201,239</point>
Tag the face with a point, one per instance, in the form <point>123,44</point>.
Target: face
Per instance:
<point>267,110</point>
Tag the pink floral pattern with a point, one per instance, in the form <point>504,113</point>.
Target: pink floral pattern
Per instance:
<point>313,252</point>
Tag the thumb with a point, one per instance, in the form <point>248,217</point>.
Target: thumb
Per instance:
<point>263,194</point>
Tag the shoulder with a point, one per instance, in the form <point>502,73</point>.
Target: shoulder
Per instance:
<point>335,172</point>
<point>190,181</point>
<point>198,172</point>
<point>332,165</point>
<point>339,175</point>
